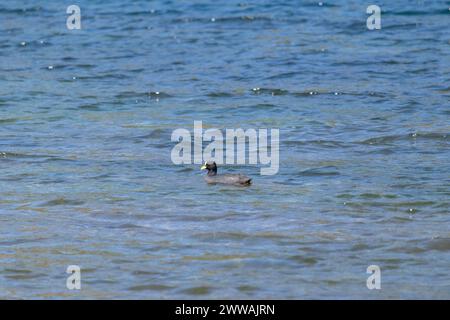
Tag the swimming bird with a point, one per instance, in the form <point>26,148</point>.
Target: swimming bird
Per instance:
<point>235,179</point>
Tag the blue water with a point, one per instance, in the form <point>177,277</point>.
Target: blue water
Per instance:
<point>86,178</point>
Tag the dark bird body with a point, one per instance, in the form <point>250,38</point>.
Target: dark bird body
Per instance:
<point>234,179</point>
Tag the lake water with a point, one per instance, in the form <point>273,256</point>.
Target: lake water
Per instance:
<point>86,118</point>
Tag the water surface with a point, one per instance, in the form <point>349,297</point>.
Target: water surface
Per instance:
<point>86,176</point>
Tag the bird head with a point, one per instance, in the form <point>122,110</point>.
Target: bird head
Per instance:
<point>210,166</point>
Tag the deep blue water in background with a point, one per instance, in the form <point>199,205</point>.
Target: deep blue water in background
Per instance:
<point>87,179</point>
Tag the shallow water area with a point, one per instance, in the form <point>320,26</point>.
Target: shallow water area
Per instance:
<point>86,118</point>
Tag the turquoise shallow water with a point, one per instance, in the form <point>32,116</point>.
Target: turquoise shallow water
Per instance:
<point>86,176</point>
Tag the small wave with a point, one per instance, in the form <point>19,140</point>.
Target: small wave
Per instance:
<point>62,202</point>
<point>220,95</point>
<point>150,287</point>
<point>303,259</point>
<point>156,134</point>
<point>24,276</point>
<point>412,136</point>
<point>320,4</point>
<point>406,26</point>
<point>130,94</point>
<point>158,94</point>
<point>142,95</point>
<point>90,107</point>
<point>103,76</point>
<point>322,171</point>
<point>383,151</point>
<point>255,107</point>
<point>8,120</point>
<point>284,75</point>
<point>13,155</point>
<point>271,91</point>
<point>218,257</point>
<point>302,93</point>
<point>236,19</point>
<point>196,291</point>
<point>322,143</point>
<point>151,12</point>
<point>409,13</point>
<point>439,244</point>
<point>22,11</point>
<point>290,182</point>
